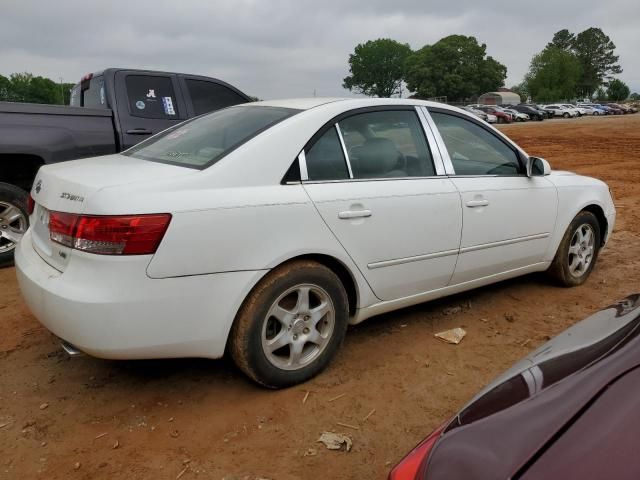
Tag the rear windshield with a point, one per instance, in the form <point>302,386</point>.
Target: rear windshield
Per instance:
<point>201,142</point>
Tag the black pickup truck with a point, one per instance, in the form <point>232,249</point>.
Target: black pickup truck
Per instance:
<point>110,111</point>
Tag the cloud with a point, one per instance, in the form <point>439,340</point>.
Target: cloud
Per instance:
<point>286,48</point>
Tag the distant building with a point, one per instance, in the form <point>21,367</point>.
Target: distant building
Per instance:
<point>499,98</point>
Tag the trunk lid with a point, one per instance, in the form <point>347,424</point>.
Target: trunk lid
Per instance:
<point>65,187</point>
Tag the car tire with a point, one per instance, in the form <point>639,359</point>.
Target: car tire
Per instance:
<point>262,345</point>
<point>14,220</point>
<point>578,251</point>
<point>566,115</point>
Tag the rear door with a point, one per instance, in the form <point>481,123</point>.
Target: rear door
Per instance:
<point>382,191</point>
<point>508,217</point>
<point>147,103</point>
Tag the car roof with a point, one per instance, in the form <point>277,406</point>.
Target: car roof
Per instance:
<point>347,103</point>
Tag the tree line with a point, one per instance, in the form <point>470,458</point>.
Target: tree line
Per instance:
<point>24,87</point>
<point>457,67</point>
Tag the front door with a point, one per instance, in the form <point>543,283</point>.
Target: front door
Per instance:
<point>508,217</point>
<point>375,183</point>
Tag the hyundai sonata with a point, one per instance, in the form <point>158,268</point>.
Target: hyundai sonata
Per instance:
<point>265,229</point>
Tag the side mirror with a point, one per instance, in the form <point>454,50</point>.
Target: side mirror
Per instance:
<point>537,167</point>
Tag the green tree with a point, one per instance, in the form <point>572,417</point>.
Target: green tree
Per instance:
<point>5,85</point>
<point>456,67</point>
<point>377,67</point>
<point>617,90</point>
<point>563,39</point>
<point>600,94</point>
<point>595,50</point>
<point>553,75</point>
<point>522,90</point>
<point>635,96</point>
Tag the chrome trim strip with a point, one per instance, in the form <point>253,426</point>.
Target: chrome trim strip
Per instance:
<point>501,243</point>
<point>446,253</point>
<point>302,162</point>
<point>417,258</point>
<point>344,149</point>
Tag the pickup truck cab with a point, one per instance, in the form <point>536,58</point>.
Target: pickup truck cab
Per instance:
<point>109,112</point>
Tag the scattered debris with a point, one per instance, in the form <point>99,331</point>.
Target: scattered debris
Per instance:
<point>373,411</point>
<point>346,425</point>
<point>449,373</point>
<point>182,472</point>
<point>306,395</point>
<point>101,435</point>
<point>76,466</point>
<point>525,343</point>
<point>509,318</point>
<point>452,310</point>
<point>44,405</point>
<point>336,441</point>
<point>403,325</point>
<point>514,297</point>
<point>2,425</point>
<point>484,320</point>
<point>336,398</point>
<point>43,444</point>
<point>116,444</point>
<point>454,336</point>
<point>171,419</point>
<point>175,433</point>
<point>311,452</point>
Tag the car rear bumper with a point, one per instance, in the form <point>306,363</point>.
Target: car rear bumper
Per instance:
<point>108,307</point>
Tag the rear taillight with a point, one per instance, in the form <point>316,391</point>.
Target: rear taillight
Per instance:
<point>109,235</point>
<point>409,466</point>
<point>31,204</point>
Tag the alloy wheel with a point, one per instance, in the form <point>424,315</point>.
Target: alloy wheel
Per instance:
<point>13,224</point>
<point>298,327</point>
<point>581,250</point>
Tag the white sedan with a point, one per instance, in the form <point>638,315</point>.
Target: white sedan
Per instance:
<point>264,229</point>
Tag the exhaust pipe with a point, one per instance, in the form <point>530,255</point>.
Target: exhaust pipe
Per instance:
<point>70,349</point>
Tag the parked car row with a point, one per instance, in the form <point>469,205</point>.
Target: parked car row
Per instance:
<point>531,111</point>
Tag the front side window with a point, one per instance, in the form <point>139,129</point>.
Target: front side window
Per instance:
<point>325,159</point>
<point>473,150</point>
<point>151,96</point>
<point>203,141</point>
<point>386,144</point>
<point>209,96</point>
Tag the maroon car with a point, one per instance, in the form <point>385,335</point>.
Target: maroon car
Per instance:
<point>503,117</point>
<point>570,410</point>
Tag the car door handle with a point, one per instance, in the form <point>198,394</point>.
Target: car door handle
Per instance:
<point>354,214</point>
<point>477,203</point>
<point>139,131</point>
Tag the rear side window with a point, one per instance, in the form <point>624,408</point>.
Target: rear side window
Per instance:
<point>89,93</point>
<point>151,96</point>
<point>473,150</point>
<point>201,142</point>
<point>209,96</point>
<point>386,144</point>
<point>325,159</point>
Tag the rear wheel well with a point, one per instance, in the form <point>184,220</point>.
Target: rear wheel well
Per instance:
<point>19,169</point>
<point>343,273</point>
<point>602,220</point>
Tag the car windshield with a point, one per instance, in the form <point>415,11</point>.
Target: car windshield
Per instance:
<point>201,142</point>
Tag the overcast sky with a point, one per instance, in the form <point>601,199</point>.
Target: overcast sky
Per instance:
<point>287,48</point>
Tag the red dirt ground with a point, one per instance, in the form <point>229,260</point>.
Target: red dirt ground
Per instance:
<point>60,418</point>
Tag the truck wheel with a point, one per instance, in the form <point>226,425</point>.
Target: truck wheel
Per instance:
<point>14,220</point>
<point>291,325</point>
<point>578,251</point>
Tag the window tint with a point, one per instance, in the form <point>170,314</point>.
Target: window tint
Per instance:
<point>325,159</point>
<point>203,141</point>
<point>386,144</point>
<point>151,97</point>
<point>209,96</point>
<point>473,150</point>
